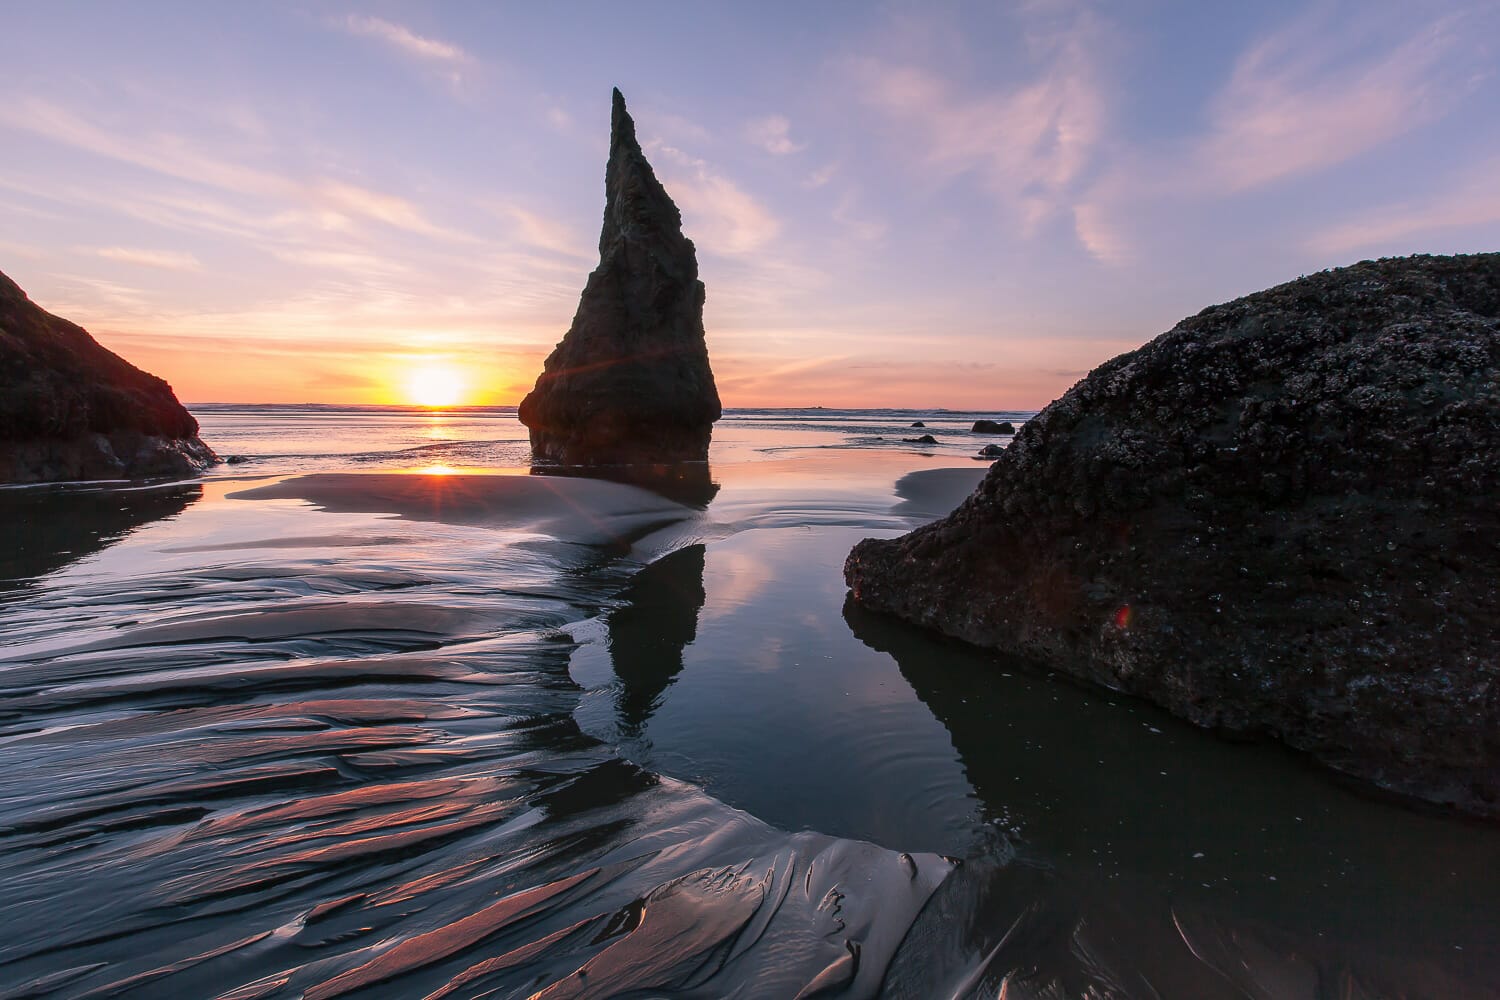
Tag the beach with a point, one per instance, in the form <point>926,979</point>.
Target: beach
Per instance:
<point>381,709</point>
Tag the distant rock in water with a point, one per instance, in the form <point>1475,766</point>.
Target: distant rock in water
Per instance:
<point>70,409</point>
<point>991,451</point>
<point>630,382</point>
<point>1277,518</point>
<point>918,423</point>
<point>993,427</point>
<point>924,439</point>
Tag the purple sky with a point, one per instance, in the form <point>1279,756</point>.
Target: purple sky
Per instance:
<point>962,205</point>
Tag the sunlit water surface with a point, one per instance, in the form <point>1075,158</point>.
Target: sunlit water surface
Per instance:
<point>252,746</point>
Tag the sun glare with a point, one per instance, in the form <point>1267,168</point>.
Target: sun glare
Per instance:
<point>435,386</point>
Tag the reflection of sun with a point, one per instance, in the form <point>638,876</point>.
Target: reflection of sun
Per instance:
<point>435,385</point>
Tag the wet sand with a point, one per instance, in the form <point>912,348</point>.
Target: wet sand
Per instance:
<point>586,511</point>
<point>928,494</point>
<point>417,735</point>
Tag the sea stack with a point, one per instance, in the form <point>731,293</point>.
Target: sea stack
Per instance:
<point>1278,518</point>
<point>71,409</point>
<point>630,382</point>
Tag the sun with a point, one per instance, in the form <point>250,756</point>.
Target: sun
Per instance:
<point>435,386</point>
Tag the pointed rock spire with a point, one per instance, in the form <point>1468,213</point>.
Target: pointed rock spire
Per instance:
<point>630,382</point>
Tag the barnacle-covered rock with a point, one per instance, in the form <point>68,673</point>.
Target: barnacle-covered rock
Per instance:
<point>1280,517</point>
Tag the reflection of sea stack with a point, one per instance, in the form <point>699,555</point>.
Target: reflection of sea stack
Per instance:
<point>630,382</point>
<point>70,409</point>
<point>1279,517</point>
<point>650,630</point>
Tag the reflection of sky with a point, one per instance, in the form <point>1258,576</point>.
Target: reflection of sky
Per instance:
<point>740,575</point>
<point>331,197</point>
<point>811,714</point>
<point>780,710</point>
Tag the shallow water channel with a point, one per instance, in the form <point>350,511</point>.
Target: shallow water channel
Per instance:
<point>256,745</point>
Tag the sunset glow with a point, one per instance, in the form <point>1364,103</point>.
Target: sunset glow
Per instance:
<point>1024,189</point>
<point>435,386</point>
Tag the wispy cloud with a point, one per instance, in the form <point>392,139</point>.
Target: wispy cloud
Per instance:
<point>1032,372</point>
<point>750,375</point>
<point>1325,88</point>
<point>317,202</point>
<point>773,134</point>
<point>162,153</point>
<point>1030,144</point>
<point>821,176</point>
<point>536,230</point>
<point>351,262</point>
<point>104,297</point>
<point>169,260</point>
<point>752,289</point>
<point>403,39</point>
<point>670,128</point>
<point>1098,235</point>
<point>386,208</point>
<point>1466,203</point>
<point>859,224</point>
<point>22,250</point>
<point>719,214</point>
<point>311,367</point>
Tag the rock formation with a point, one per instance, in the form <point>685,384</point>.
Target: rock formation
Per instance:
<point>70,409</point>
<point>1277,518</point>
<point>630,382</point>
<point>993,427</point>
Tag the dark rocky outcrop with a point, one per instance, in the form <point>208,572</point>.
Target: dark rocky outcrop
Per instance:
<point>630,382</point>
<point>918,423</point>
<point>1277,518</point>
<point>71,409</point>
<point>991,451</point>
<point>924,439</point>
<point>993,427</point>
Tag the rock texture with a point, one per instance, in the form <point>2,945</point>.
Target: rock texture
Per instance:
<point>1277,518</point>
<point>70,409</point>
<point>630,382</point>
<point>993,427</point>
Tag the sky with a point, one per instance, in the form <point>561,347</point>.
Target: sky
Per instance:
<point>902,204</point>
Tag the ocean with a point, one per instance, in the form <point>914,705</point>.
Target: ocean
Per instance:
<point>322,438</point>
<point>373,710</point>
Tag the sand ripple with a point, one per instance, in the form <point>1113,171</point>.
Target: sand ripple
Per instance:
<point>283,753</point>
